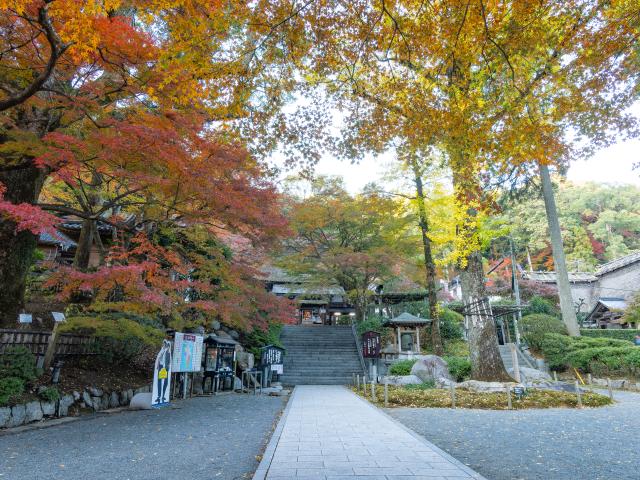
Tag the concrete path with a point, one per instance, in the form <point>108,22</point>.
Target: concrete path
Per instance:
<point>329,433</point>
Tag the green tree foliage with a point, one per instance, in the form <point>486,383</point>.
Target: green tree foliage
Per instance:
<point>349,240</point>
<point>599,222</point>
<point>536,325</point>
<point>632,313</point>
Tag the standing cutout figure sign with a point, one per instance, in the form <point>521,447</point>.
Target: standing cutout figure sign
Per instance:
<point>162,376</point>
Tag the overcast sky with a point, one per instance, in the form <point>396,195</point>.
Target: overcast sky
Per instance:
<point>610,165</point>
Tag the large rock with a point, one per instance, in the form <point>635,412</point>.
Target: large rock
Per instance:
<point>245,360</point>
<point>141,401</point>
<point>402,379</point>
<point>215,325</point>
<point>5,416</point>
<point>65,402</point>
<point>48,408</point>
<point>486,387</point>
<point>17,416</point>
<point>114,401</point>
<point>86,398</point>
<point>531,376</point>
<point>32,412</point>
<point>431,368</point>
<point>95,391</point>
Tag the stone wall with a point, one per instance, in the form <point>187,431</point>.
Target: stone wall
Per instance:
<point>91,398</point>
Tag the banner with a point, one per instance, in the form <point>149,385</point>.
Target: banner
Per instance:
<point>162,377</point>
<point>187,352</point>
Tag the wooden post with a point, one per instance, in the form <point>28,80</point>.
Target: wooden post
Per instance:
<point>373,391</point>
<point>509,405</point>
<point>418,340</point>
<point>578,394</point>
<point>386,392</point>
<point>514,359</point>
<point>609,388</point>
<point>399,344</point>
<point>353,379</point>
<point>589,379</point>
<point>51,347</point>
<point>555,376</point>
<point>358,382</point>
<point>452,388</point>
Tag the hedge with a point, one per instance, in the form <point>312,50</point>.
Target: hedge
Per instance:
<point>618,333</point>
<point>608,356</point>
<point>536,325</point>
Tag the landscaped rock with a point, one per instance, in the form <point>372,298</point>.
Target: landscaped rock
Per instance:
<point>141,401</point>
<point>95,391</point>
<point>63,406</point>
<point>48,408</point>
<point>86,398</point>
<point>5,416</point>
<point>215,325</point>
<point>403,379</point>
<point>114,401</point>
<point>237,383</point>
<point>104,402</point>
<point>478,386</point>
<point>17,416</point>
<point>531,376</point>
<point>245,360</point>
<point>431,368</point>
<point>76,396</point>
<point>32,412</point>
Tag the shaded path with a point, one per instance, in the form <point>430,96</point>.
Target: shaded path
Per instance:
<point>327,432</point>
<point>201,438</point>
<point>554,444</point>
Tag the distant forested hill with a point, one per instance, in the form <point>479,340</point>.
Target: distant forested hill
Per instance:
<point>599,223</point>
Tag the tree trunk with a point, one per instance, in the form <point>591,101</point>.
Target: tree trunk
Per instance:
<point>486,363</point>
<point>559,262</point>
<point>16,249</point>
<point>85,242</point>
<point>430,267</point>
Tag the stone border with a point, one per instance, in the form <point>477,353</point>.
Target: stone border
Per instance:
<point>270,450</point>
<point>421,439</point>
<point>91,397</point>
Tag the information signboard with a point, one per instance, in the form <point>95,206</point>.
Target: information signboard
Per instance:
<point>187,352</point>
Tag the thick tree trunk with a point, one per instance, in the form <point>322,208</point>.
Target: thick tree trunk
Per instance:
<point>559,262</point>
<point>486,363</point>
<point>85,242</point>
<point>430,267</point>
<point>16,249</point>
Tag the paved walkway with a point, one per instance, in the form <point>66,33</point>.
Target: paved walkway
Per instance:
<point>202,438</point>
<point>329,433</point>
<point>552,444</point>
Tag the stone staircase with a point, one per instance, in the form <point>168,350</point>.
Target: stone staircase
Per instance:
<point>319,355</point>
<point>523,361</point>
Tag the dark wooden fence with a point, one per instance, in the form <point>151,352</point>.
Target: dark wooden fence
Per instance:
<point>36,342</point>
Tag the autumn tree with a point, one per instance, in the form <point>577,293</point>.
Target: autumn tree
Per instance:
<point>81,73</point>
<point>354,241</point>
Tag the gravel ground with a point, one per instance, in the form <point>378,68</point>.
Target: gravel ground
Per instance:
<point>201,438</point>
<point>554,444</point>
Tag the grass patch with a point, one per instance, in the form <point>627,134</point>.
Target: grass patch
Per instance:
<point>441,398</point>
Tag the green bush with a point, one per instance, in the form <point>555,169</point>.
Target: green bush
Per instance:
<point>18,362</point>
<point>258,338</point>
<point>459,368</point>
<point>595,355</point>
<point>429,384</point>
<point>541,305</point>
<point>50,394</point>
<point>401,367</point>
<point>10,389</point>
<point>450,324</point>
<point>618,333</point>
<point>536,325</point>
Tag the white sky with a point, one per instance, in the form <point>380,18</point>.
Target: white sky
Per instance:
<point>609,165</point>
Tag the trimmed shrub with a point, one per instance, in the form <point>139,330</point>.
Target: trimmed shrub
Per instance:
<point>537,325</point>
<point>18,362</point>
<point>618,333</point>
<point>541,305</point>
<point>50,394</point>
<point>450,324</point>
<point>401,367</point>
<point>459,367</point>
<point>554,347</point>
<point>10,389</point>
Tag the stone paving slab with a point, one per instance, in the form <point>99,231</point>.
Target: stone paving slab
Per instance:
<point>329,433</point>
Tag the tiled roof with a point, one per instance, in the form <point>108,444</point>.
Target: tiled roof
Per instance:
<point>618,263</point>
<point>407,319</point>
<point>56,238</point>
<point>307,290</point>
